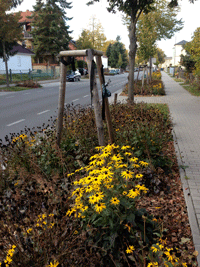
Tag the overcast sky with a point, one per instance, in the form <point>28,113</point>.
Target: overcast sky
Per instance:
<point>113,26</point>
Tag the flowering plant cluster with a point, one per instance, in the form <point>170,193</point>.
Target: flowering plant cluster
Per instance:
<point>111,180</point>
<point>156,75</point>
<point>101,218</point>
<point>104,199</point>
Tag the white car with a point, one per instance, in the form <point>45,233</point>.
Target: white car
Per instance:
<point>73,76</point>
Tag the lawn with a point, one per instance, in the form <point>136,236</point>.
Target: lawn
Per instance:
<point>20,86</point>
<point>84,205</point>
<point>192,87</point>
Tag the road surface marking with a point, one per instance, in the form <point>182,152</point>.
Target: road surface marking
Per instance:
<point>43,112</point>
<point>86,95</point>
<point>27,94</point>
<point>75,100</point>
<point>15,122</point>
<point>10,96</point>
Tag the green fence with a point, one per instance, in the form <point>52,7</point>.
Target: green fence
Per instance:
<point>37,74</point>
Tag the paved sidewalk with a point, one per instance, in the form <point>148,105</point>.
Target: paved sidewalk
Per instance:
<point>185,113</point>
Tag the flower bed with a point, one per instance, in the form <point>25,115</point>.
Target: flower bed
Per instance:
<point>120,205</point>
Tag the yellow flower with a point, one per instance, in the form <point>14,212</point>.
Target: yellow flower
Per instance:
<point>134,160</point>
<point>143,163</point>
<point>44,216</point>
<point>153,264</point>
<point>122,166</point>
<point>99,207</point>
<point>142,188</point>
<point>84,208</point>
<point>54,264</point>
<point>167,253</point>
<point>29,230</point>
<point>125,147</point>
<point>128,226</point>
<point>109,186</point>
<point>99,196</point>
<point>114,201</point>
<point>154,249</point>
<point>127,154</point>
<point>127,174</point>
<point>136,166</point>
<point>124,193</point>
<point>130,249</point>
<point>138,176</point>
<point>92,199</point>
<point>133,194</point>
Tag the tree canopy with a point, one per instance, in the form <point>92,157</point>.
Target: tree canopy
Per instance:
<point>160,23</point>
<point>117,56</point>
<point>50,32</point>
<point>193,52</point>
<point>160,56</point>
<point>133,9</point>
<point>10,32</point>
<point>84,41</point>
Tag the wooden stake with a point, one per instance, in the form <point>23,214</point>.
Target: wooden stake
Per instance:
<point>115,100</point>
<point>107,110</point>
<point>96,103</point>
<point>61,101</point>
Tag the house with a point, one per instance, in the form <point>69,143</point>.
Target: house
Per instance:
<point>167,63</point>
<point>25,21</point>
<point>20,62</point>
<point>177,51</point>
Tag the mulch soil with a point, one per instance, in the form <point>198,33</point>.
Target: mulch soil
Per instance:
<point>170,208</point>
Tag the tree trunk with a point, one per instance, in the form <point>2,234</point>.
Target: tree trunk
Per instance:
<point>132,53</point>
<point>6,63</point>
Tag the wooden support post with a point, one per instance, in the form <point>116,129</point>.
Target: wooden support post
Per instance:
<point>107,110</point>
<point>147,69</point>
<point>150,70</point>
<point>143,77</point>
<point>61,101</point>
<point>115,100</point>
<point>96,103</point>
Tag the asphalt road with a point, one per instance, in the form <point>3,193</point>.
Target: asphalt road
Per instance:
<point>35,107</point>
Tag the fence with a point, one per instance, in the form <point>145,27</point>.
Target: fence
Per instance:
<point>35,74</point>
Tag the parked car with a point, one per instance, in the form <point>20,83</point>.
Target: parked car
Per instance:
<point>112,72</point>
<point>73,76</point>
<point>83,71</point>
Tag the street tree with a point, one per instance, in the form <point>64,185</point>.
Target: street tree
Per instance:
<point>10,32</point>
<point>93,36</point>
<point>84,40</point>
<point>160,23</point>
<point>116,54</point>
<point>193,49</point>
<point>133,9</point>
<point>98,37</point>
<point>50,32</point>
<point>160,56</point>
<point>120,61</point>
<point>146,38</point>
<point>106,45</point>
